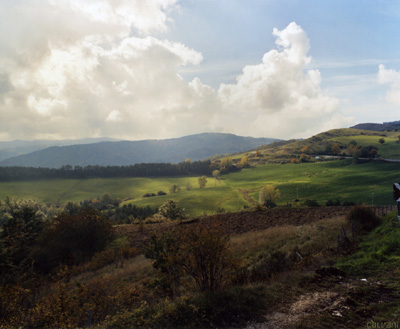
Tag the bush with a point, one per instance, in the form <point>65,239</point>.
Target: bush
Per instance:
<point>161,193</point>
<point>363,218</point>
<point>234,307</point>
<point>174,189</point>
<point>268,195</point>
<point>331,203</point>
<point>72,239</point>
<point>311,203</point>
<point>269,204</point>
<point>269,266</point>
<point>172,210</point>
<point>200,252</point>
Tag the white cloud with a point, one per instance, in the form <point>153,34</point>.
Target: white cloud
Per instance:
<point>279,97</point>
<point>391,78</point>
<point>91,68</point>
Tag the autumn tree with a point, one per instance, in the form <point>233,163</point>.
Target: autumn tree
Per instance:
<point>352,147</point>
<point>307,150</point>
<point>244,162</point>
<point>226,163</point>
<point>335,148</point>
<point>268,195</point>
<point>172,210</point>
<point>202,181</point>
<point>373,153</point>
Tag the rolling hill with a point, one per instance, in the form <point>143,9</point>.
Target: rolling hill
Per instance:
<point>120,153</point>
<point>321,144</point>
<point>9,149</point>
<point>378,126</point>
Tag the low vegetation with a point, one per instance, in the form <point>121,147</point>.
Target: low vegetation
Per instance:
<point>135,257</point>
<point>341,181</point>
<point>74,270</point>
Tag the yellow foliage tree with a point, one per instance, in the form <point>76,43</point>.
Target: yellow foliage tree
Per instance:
<point>244,162</point>
<point>268,195</point>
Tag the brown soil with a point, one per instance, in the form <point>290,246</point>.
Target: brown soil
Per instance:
<point>236,223</point>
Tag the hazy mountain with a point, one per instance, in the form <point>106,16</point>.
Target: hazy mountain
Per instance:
<point>195,147</point>
<point>18,147</point>
<point>378,126</point>
<point>4,154</point>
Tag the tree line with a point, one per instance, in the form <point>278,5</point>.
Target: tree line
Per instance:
<point>136,170</point>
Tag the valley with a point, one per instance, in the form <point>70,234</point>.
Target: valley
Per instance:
<point>367,183</point>
<point>95,252</point>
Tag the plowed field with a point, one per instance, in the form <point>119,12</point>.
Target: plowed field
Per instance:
<point>237,223</point>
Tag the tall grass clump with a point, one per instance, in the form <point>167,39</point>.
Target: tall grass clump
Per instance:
<point>363,219</point>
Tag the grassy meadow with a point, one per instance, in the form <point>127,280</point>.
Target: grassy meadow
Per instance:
<point>322,181</point>
<point>336,180</point>
<point>388,150</point>
<point>362,183</point>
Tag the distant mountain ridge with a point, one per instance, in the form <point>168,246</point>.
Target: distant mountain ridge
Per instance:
<point>120,153</point>
<point>14,148</point>
<point>378,126</point>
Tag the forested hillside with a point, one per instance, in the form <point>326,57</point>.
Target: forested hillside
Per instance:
<point>125,153</point>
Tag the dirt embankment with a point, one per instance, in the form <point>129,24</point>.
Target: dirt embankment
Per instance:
<point>237,223</point>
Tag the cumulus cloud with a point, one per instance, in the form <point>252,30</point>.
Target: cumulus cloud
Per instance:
<point>76,68</point>
<point>391,78</point>
<point>279,97</point>
<point>89,68</point>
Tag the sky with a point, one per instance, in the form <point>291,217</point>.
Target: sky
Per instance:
<point>155,69</point>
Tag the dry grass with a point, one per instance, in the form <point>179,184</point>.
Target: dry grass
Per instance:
<point>308,239</point>
<point>271,238</point>
<point>137,269</point>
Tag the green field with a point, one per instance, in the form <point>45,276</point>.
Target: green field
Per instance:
<point>323,181</point>
<point>389,150</point>
<point>362,183</point>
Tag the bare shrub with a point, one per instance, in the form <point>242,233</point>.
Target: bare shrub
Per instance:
<point>201,252</point>
<point>363,219</point>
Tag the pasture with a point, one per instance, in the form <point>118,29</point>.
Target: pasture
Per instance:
<point>388,150</point>
<point>335,180</point>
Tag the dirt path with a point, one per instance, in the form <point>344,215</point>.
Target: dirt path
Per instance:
<point>246,196</point>
<point>306,305</point>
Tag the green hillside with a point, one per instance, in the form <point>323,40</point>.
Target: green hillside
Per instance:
<point>321,181</point>
<point>388,150</point>
<point>321,144</point>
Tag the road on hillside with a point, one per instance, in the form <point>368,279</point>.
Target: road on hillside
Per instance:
<point>348,157</point>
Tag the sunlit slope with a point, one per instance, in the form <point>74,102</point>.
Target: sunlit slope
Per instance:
<point>323,181</point>
<point>321,144</point>
<point>362,183</point>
